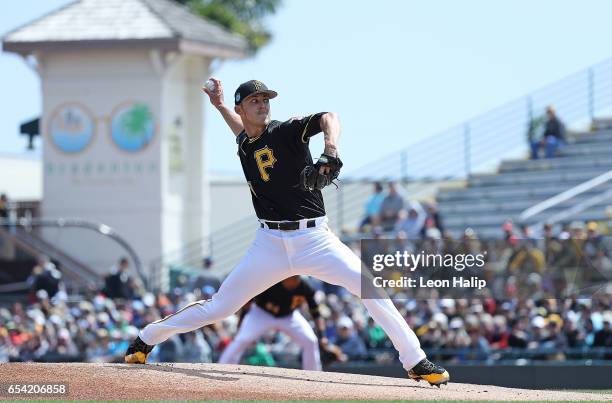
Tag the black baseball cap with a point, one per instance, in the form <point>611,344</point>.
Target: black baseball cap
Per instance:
<point>252,87</point>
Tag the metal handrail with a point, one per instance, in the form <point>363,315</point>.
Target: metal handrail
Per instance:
<point>77,223</point>
<point>481,142</point>
<point>565,195</point>
<point>186,248</point>
<point>12,287</point>
<point>578,208</point>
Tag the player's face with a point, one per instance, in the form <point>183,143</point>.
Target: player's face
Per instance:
<point>255,109</point>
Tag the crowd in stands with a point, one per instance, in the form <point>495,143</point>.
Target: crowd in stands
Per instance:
<point>94,327</point>
<point>474,327</point>
<point>389,212</point>
<point>98,326</point>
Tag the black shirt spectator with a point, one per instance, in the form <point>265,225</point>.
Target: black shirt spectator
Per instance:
<point>552,138</point>
<point>603,338</point>
<point>45,276</point>
<point>206,278</point>
<point>116,284</point>
<point>518,337</point>
<point>4,206</point>
<point>554,127</point>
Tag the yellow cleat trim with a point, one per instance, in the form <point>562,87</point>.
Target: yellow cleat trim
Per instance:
<point>433,379</point>
<point>136,358</point>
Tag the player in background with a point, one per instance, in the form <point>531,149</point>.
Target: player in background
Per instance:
<point>277,308</point>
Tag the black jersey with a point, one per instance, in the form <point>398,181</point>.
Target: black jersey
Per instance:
<point>272,164</point>
<point>279,301</point>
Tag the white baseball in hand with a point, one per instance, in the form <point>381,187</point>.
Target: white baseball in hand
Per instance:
<point>209,85</point>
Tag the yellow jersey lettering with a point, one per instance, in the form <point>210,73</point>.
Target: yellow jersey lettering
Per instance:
<point>265,159</point>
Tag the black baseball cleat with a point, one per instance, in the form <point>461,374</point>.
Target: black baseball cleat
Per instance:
<point>138,352</point>
<point>432,373</point>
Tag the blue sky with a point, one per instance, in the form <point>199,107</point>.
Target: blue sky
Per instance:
<point>395,70</point>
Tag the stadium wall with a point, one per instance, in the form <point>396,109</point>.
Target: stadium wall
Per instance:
<point>533,376</point>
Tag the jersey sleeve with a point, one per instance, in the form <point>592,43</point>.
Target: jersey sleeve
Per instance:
<point>301,129</point>
<point>240,137</point>
<point>239,140</point>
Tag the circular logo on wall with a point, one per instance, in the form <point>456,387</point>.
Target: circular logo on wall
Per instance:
<point>132,126</point>
<point>71,128</point>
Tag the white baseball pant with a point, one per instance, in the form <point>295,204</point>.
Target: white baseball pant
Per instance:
<point>257,322</point>
<point>274,256</point>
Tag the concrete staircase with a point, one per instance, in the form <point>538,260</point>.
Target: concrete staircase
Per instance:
<point>27,244</point>
<point>490,199</point>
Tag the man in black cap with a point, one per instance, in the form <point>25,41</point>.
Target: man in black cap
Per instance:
<point>293,237</point>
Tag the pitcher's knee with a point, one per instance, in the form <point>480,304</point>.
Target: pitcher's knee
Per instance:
<point>215,311</point>
<point>352,283</point>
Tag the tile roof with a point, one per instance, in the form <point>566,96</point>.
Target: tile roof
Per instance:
<point>121,20</point>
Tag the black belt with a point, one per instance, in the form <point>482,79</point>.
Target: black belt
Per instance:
<point>287,225</point>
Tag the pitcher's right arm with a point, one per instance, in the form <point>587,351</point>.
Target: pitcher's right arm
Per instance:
<point>216,99</point>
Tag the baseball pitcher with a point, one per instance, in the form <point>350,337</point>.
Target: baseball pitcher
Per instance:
<point>293,237</point>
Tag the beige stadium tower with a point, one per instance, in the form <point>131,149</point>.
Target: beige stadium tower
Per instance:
<point>122,122</point>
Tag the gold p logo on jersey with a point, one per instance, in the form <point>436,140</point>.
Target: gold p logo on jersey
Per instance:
<point>265,159</point>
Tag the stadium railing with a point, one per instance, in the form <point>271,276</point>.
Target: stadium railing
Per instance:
<point>482,142</point>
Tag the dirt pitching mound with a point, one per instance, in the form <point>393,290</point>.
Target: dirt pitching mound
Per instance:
<point>214,381</point>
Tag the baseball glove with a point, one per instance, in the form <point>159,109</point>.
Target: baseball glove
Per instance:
<point>312,179</point>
